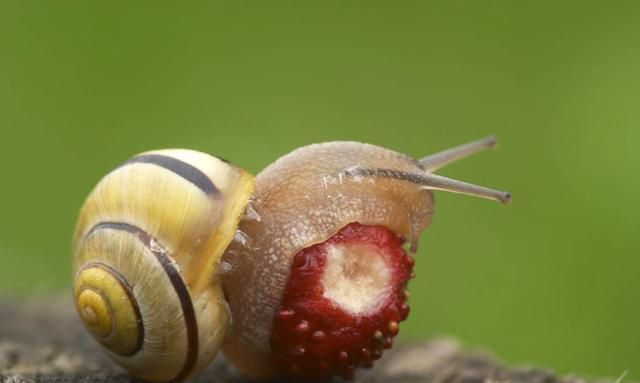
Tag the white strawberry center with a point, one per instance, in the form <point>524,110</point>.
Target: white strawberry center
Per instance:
<point>355,277</point>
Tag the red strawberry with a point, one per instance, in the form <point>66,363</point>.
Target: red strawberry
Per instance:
<point>342,303</point>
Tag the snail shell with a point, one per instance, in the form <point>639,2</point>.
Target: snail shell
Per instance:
<point>145,252</point>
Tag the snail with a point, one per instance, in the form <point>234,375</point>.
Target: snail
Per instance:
<point>301,271</point>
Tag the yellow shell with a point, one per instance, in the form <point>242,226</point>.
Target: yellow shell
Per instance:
<point>146,249</point>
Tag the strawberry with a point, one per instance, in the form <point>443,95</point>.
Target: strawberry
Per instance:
<point>342,304</point>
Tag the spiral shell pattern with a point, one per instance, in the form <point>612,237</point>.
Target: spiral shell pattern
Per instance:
<point>108,308</point>
<point>148,241</point>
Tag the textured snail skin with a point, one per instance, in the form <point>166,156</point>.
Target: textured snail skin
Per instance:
<point>303,199</point>
<point>145,252</point>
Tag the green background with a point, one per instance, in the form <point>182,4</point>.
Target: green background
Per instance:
<point>552,279</point>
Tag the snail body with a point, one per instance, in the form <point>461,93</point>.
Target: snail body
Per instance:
<point>333,185</point>
<point>305,198</point>
<point>318,270</point>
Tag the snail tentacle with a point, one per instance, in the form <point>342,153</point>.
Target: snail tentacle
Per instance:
<point>436,161</point>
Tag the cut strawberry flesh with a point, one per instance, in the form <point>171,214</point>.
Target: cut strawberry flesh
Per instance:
<point>342,303</point>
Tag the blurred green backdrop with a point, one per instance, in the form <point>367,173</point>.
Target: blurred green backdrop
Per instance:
<point>552,279</point>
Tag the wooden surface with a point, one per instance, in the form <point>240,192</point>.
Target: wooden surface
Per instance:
<point>43,341</point>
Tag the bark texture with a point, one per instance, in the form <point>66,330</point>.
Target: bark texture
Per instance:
<point>43,341</point>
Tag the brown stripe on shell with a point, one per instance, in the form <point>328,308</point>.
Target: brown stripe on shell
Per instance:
<point>128,290</point>
<point>179,167</point>
<point>221,159</point>
<point>176,281</point>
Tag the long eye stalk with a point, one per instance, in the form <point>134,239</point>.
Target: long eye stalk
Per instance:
<point>438,160</point>
<point>436,182</point>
